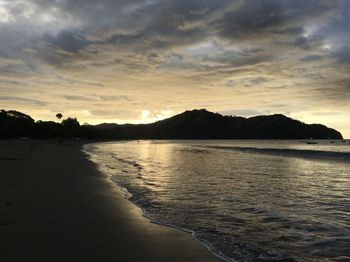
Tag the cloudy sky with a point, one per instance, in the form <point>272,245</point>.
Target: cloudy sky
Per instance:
<point>142,60</point>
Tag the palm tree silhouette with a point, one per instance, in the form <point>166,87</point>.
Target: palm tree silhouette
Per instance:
<point>59,115</point>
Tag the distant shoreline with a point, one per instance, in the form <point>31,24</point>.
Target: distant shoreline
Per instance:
<point>194,124</point>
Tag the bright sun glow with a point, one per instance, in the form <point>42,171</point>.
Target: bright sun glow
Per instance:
<point>149,117</point>
<point>145,114</point>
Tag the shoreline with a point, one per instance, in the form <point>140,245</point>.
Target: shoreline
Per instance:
<point>127,195</point>
<point>57,206</point>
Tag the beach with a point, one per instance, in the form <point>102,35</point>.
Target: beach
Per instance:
<point>56,206</point>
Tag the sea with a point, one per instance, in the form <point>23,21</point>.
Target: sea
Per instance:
<point>247,200</point>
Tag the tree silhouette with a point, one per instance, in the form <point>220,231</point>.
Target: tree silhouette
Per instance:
<point>70,123</point>
<point>59,115</point>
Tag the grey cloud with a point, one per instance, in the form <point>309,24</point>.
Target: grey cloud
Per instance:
<point>96,98</point>
<point>301,41</point>
<point>311,58</point>
<point>342,54</point>
<point>256,15</point>
<point>23,100</point>
<point>212,53</point>
<point>258,80</point>
<point>115,98</point>
<point>18,69</point>
<point>281,87</point>
<point>298,30</point>
<point>309,43</point>
<point>248,81</point>
<point>69,41</point>
<point>253,81</point>
<point>146,25</point>
<point>77,98</point>
<point>13,82</point>
<point>231,83</point>
<point>122,39</point>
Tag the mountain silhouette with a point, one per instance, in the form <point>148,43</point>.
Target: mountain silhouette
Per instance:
<point>202,124</point>
<point>195,124</point>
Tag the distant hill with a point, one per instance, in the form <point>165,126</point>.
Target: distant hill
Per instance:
<point>202,124</point>
<point>195,124</point>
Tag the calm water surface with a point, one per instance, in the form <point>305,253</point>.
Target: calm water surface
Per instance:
<point>245,200</point>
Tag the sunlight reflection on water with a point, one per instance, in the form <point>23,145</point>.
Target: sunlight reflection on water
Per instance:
<point>247,205</point>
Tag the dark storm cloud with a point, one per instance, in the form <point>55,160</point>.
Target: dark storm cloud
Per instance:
<point>309,42</point>
<point>147,25</point>
<point>259,15</point>
<point>69,41</point>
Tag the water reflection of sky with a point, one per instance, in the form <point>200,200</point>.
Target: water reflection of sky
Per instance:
<point>243,204</point>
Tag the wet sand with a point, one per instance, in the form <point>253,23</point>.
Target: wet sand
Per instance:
<point>56,206</point>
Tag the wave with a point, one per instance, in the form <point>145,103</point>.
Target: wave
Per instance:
<point>235,228</point>
<point>289,152</point>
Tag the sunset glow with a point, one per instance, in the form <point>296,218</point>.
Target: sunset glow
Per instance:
<point>140,61</point>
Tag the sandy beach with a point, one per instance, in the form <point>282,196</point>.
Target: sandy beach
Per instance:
<point>56,206</point>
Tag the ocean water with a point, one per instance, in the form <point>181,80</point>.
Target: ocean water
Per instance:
<point>244,200</point>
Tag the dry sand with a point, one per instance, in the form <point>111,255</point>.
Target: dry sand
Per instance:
<point>56,206</point>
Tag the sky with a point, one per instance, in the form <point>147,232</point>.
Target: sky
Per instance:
<point>138,61</point>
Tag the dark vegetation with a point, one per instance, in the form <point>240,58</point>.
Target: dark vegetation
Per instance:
<point>195,124</point>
